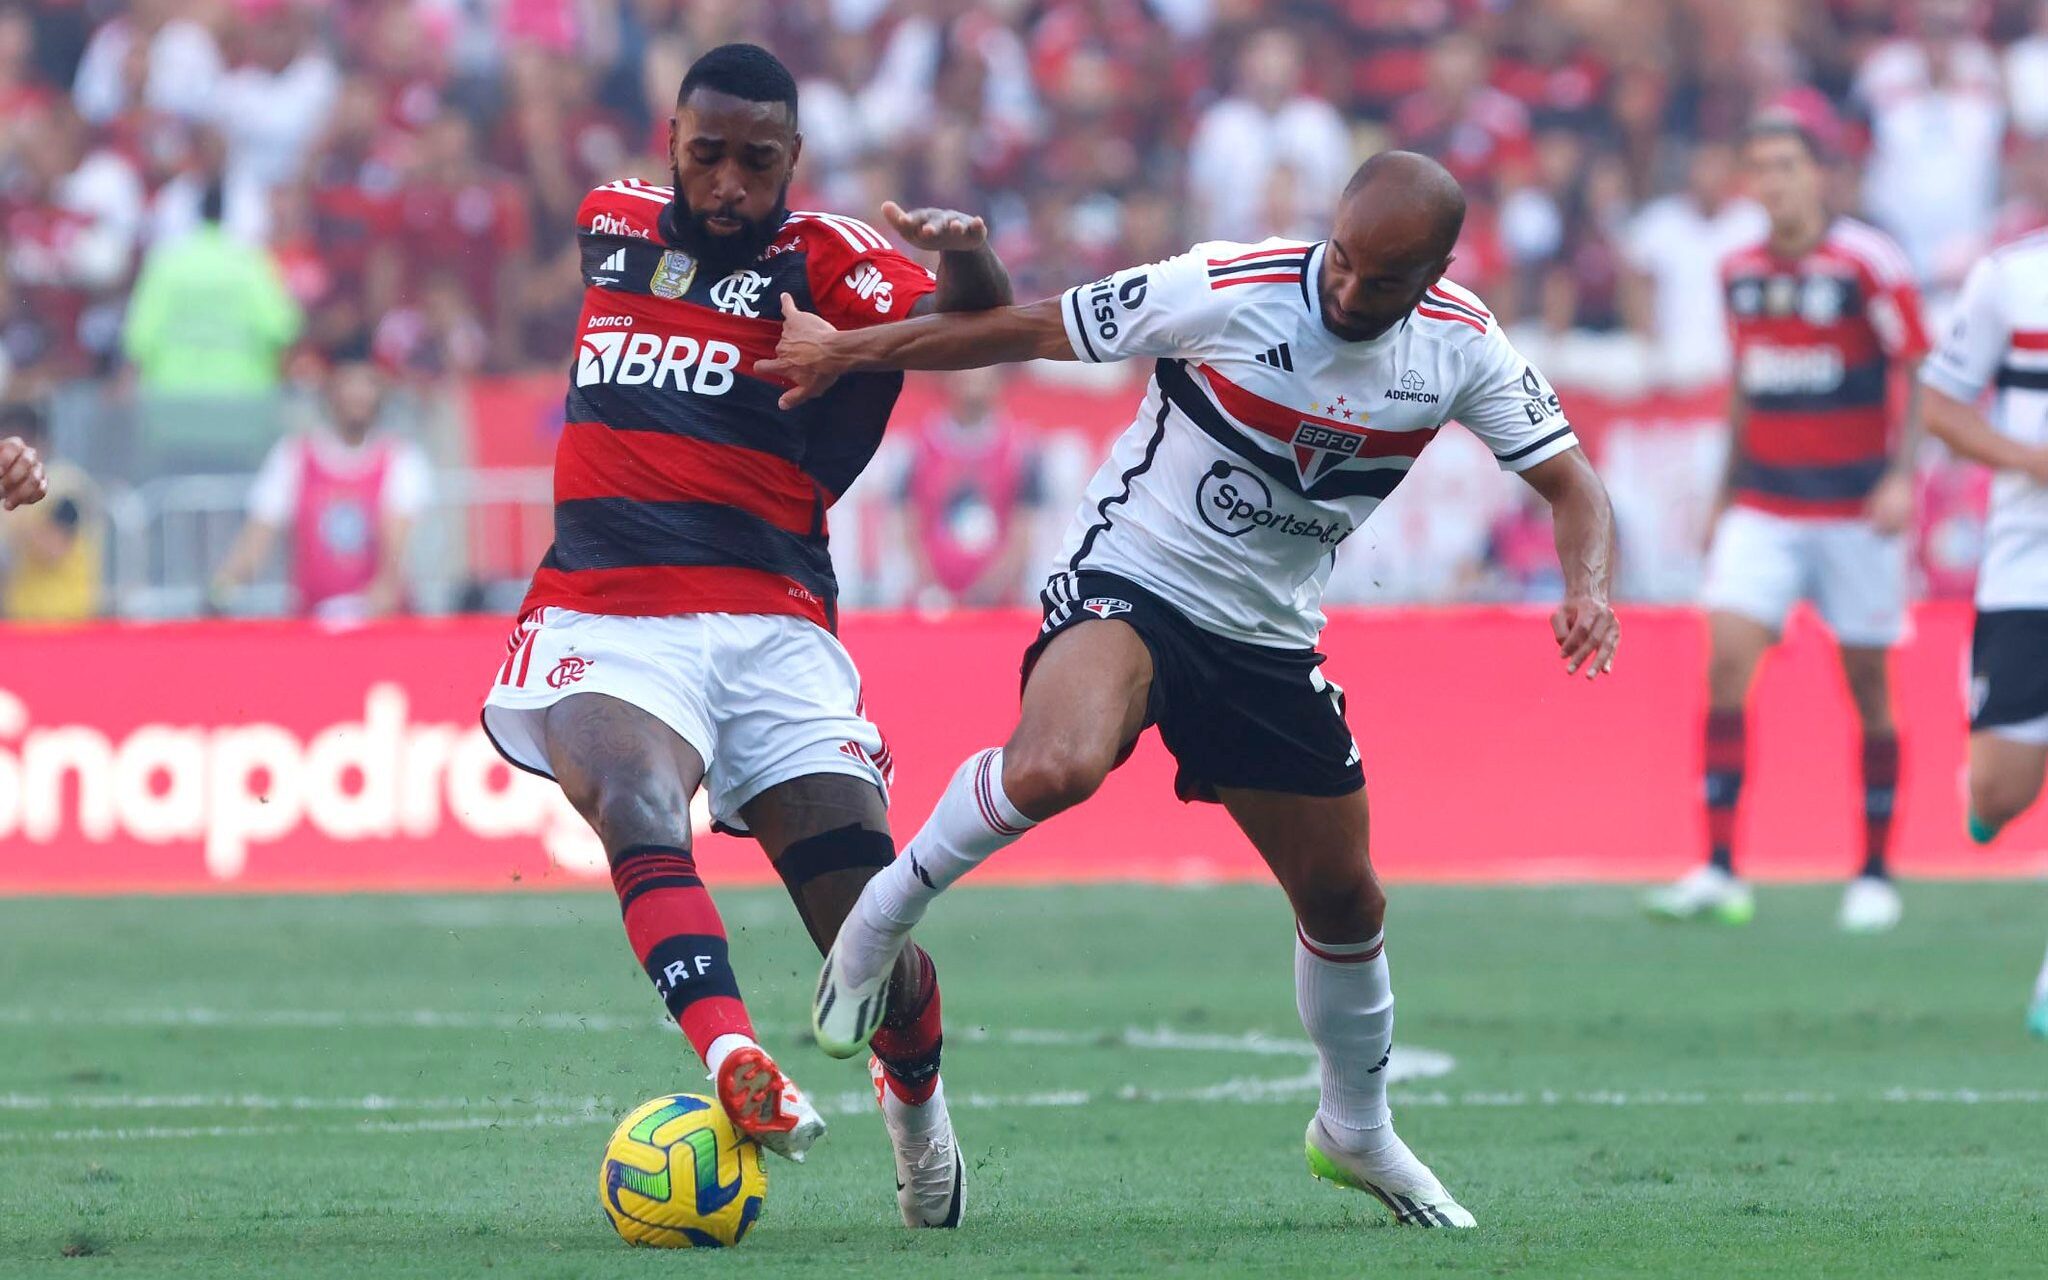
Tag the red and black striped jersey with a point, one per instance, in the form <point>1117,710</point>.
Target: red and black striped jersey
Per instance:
<point>1815,341</point>
<point>680,485</point>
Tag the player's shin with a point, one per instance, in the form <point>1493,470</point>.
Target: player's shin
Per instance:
<point>911,1036</point>
<point>1346,999</point>
<point>1726,747</point>
<point>972,820</point>
<point>676,933</point>
<point>1880,790</point>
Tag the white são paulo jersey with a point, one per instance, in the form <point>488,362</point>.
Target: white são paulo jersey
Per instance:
<point>1999,337</point>
<point>1265,439</point>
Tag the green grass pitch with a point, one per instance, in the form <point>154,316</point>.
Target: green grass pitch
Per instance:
<point>419,1086</point>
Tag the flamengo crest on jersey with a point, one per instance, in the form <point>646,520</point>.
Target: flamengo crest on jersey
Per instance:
<point>1998,340</point>
<point>1815,341</point>
<point>680,485</point>
<point>1264,440</point>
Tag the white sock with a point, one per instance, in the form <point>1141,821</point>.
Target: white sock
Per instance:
<point>1346,999</point>
<point>972,820</point>
<point>2041,983</point>
<point>722,1048</point>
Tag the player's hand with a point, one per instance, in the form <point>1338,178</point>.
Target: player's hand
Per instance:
<point>1587,635</point>
<point>804,355</point>
<point>940,230</point>
<point>1890,506</point>
<point>21,474</point>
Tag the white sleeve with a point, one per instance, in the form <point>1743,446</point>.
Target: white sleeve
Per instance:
<point>1978,333</point>
<point>275,494</point>
<point>1510,406</point>
<point>408,483</point>
<point>1160,309</point>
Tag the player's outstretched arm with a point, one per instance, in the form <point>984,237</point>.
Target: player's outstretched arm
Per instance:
<point>971,277</point>
<point>1586,629</point>
<point>812,353</point>
<point>1963,429</point>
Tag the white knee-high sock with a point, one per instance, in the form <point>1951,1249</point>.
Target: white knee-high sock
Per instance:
<point>972,820</point>
<point>1346,999</point>
<point>2041,983</point>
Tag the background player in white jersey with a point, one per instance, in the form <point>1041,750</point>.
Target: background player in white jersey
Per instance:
<point>1294,386</point>
<point>1999,338</point>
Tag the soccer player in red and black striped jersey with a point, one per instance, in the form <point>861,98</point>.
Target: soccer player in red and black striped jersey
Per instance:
<point>679,633</point>
<point>1823,314</point>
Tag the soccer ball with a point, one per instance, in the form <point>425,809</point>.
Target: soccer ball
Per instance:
<point>677,1175</point>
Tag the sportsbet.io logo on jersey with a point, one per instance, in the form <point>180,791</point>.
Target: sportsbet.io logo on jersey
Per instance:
<point>1234,500</point>
<point>640,359</point>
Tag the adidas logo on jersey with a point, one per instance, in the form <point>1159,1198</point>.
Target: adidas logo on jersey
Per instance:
<point>617,262</point>
<point>642,359</point>
<point>1279,357</point>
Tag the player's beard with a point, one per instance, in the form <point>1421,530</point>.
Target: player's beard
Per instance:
<point>720,255</point>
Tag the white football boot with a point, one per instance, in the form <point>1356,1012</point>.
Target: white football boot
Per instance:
<point>848,1008</point>
<point>1871,905</point>
<point>931,1178</point>
<point>1392,1175</point>
<point>766,1105</point>
<point>1709,892</point>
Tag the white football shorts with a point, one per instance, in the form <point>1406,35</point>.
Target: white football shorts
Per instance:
<point>763,698</point>
<point>1762,564</point>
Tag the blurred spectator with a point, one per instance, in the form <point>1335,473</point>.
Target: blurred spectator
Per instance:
<point>276,101</point>
<point>1478,132</point>
<point>971,487</point>
<point>1675,247</point>
<point>454,213</point>
<point>209,317</point>
<point>2026,75</point>
<point>50,554</point>
<point>344,498</point>
<point>156,56</point>
<point>1270,122</point>
<point>1937,119</point>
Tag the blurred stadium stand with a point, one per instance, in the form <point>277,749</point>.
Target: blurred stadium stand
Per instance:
<point>407,172</point>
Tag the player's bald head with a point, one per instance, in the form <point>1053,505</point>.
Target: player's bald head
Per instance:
<point>1409,195</point>
<point>1396,226</point>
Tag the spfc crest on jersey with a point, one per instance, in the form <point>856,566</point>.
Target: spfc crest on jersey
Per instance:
<point>1320,448</point>
<point>672,279</point>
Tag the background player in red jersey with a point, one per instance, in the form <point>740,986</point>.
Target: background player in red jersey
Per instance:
<point>1816,500</point>
<point>678,632</point>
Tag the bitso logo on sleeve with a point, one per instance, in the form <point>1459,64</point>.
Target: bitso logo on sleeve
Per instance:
<point>672,279</point>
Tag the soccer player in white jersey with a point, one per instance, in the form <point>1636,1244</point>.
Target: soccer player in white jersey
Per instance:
<point>1999,338</point>
<point>1294,386</point>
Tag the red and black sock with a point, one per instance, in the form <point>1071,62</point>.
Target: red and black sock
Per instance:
<point>910,1038</point>
<point>1727,746</point>
<point>675,931</point>
<point>1880,794</point>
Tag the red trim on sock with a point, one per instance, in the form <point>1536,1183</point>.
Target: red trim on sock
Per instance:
<point>1360,957</point>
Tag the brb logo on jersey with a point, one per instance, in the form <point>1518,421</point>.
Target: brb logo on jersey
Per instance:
<point>640,359</point>
<point>1320,448</point>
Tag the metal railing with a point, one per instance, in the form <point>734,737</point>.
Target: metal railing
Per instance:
<point>473,548</point>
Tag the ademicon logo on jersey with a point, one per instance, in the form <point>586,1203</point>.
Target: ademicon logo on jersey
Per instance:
<point>233,787</point>
<point>643,359</point>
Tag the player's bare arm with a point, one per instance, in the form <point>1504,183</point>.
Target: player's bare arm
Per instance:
<point>21,474</point>
<point>1890,507</point>
<point>812,353</point>
<point>1963,429</point>
<point>1587,631</point>
<point>971,277</point>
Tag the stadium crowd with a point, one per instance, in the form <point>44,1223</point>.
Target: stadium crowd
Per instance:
<point>214,202</point>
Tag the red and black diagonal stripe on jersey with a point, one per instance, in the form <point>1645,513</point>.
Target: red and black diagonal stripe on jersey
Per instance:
<point>1283,265</point>
<point>1438,304</point>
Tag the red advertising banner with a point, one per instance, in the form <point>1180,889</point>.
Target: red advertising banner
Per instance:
<point>282,756</point>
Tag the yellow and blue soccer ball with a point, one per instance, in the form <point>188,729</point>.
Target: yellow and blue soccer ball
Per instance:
<point>677,1175</point>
